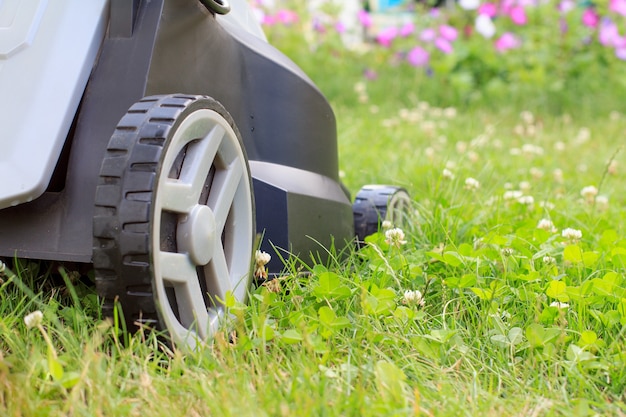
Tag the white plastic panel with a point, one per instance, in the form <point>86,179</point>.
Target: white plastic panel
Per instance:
<point>47,50</point>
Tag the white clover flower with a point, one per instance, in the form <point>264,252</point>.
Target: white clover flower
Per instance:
<point>515,151</point>
<point>524,186</point>
<point>536,173</point>
<point>557,174</point>
<point>589,193</point>
<point>548,260</point>
<point>395,237</point>
<point>261,259</point>
<point>461,146</point>
<point>386,224</point>
<point>33,319</point>
<point>472,156</point>
<point>572,234</point>
<point>559,305</point>
<point>584,134</point>
<point>527,117</point>
<point>507,251</point>
<point>547,205</point>
<point>447,174</point>
<point>526,200</point>
<point>560,146</point>
<point>450,112</point>
<point>512,195</point>
<point>547,225</point>
<point>429,152</point>
<point>472,184</point>
<point>413,298</point>
<point>602,202</point>
<point>612,168</point>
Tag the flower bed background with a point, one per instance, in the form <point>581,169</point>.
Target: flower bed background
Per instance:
<point>547,54</point>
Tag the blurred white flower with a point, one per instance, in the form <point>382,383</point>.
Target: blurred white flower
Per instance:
<point>472,184</point>
<point>546,225</point>
<point>548,260</point>
<point>602,202</point>
<point>413,298</point>
<point>507,251</point>
<point>395,237</point>
<point>527,200</point>
<point>469,4</point>
<point>589,193</point>
<point>572,234</point>
<point>387,224</point>
<point>33,319</point>
<point>484,26</point>
<point>559,305</point>
<point>512,195</point>
<point>447,174</point>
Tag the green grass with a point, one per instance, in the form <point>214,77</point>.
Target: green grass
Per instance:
<point>341,342</point>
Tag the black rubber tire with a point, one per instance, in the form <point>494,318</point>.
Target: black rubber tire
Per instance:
<point>123,229</point>
<point>376,203</point>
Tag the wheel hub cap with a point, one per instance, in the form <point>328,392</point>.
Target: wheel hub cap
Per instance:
<point>196,235</point>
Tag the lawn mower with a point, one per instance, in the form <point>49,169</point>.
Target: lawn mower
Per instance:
<point>154,140</point>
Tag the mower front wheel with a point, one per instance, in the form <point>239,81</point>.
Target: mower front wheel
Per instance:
<point>174,218</point>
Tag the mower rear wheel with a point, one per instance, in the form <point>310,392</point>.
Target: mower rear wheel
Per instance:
<point>375,204</point>
<point>174,218</point>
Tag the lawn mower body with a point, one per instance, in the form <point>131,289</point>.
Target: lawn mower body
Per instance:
<point>71,69</point>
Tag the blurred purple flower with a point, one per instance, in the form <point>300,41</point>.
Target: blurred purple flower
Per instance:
<point>518,15</point>
<point>286,17</point>
<point>618,6</point>
<point>590,18</point>
<point>428,35</point>
<point>448,33</point>
<point>507,41</point>
<point>370,74</point>
<point>407,29</point>
<point>318,26</point>
<point>418,57</point>
<point>444,45</point>
<point>386,36</point>
<point>365,18</point>
<point>489,9</point>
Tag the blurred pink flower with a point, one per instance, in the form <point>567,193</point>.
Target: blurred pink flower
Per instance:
<point>407,29</point>
<point>518,15</point>
<point>448,33</point>
<point>444,45</point>
<point>618,6</point>
<point>428,35</point>
<point>507,41</point>
<point>620,53</point>
<point>268,20</point>
<point>608,33</point>
<point>286,17</point>
<point>489,9</point>
<point>418,57</point>
<point>340,27</point>
<point>365,18</point>
<point>386,36</point>
<point>590,18</point>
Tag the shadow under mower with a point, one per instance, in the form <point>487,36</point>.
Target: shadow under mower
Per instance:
<point>154,140</point>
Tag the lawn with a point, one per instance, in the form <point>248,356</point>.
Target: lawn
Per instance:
<point>505,293</point>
